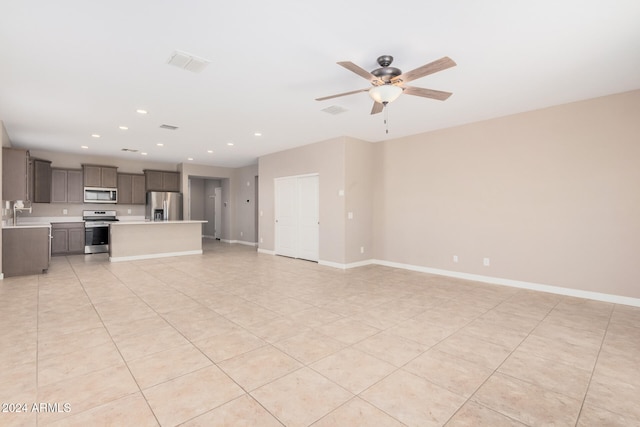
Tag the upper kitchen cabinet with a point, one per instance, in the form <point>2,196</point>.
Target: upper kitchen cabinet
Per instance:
<point>131,189</point>
<point>100,176</point>
<point>162,180</point>
<point>15,167</point>
<point>66,186</point>
<point>41,182</point>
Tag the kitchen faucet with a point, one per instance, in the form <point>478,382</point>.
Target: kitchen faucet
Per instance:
<point>18,207</point>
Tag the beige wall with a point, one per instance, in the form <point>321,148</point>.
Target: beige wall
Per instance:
<point>325,158</point>
<point>359,191</point>
<point>550,196</point>
<point>244,189</point>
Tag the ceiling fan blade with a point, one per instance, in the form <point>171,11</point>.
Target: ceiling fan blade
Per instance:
<point>377,108</point>
<point>342,94</point>
<point>430,68</point>
<point>358,70</point>
<point>427,93</point>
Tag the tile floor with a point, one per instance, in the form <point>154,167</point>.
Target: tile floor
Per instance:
<point>236,338</point>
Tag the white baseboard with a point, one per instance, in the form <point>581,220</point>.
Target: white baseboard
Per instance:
<point>152,256</point>
<point>228,241</point>
<point>1,276</point>
<point>347,266</point>
<point>242,242</point>
<point>598,296</point>
<point>266,251</point>
<point>616,299</point>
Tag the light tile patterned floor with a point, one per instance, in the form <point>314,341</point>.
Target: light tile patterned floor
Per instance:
<point>236,338</point>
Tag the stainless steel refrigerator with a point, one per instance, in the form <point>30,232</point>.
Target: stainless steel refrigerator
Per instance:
<point>163,206</point>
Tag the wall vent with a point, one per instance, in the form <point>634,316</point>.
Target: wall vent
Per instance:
<point>169,127</point>
<point>335,109</point>
<point>188,62</point>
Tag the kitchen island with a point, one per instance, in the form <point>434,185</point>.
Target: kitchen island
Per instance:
<point>136,240</point>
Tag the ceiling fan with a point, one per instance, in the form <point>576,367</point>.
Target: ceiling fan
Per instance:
<point>388,83</point>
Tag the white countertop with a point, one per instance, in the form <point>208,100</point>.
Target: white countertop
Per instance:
<point>28,225</point>
<point>157,222</point>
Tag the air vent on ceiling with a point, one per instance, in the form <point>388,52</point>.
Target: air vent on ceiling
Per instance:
<point>187,61</point>
<point>335,109</point>
<point>169,127</point>
<point>130,150</point>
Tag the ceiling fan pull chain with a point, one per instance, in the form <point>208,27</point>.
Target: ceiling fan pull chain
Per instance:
<point>386,118</point>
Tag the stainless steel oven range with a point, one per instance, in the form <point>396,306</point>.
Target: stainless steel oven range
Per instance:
<point>96,230</point>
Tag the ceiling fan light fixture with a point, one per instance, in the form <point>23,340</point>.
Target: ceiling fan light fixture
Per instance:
<point>385,93</point>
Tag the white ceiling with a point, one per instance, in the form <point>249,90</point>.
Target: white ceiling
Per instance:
<point>69,69</point>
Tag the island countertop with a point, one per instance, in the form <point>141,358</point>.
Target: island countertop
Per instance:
<point>186,221</point>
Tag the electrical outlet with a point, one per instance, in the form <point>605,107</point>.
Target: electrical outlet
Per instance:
<point>361,249</point>
<point>241,234</point>
<point>455,258</point>
<point>486,262</point>
<point>65,211</point>
<point>129,211</point>
<point>350,215</point>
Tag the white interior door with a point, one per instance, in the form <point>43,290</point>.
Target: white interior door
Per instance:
<point>297,215</point>
<point>286,193</point>
<point>308,218</point>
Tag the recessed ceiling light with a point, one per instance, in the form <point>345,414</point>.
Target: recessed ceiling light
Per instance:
<point>257,134</point>
<point>144,154</point>
<point>189,158</point>
<point>84,147</point>
<point>230,144</point>
<point>209,151</point>
<point>123,127</point>
<point>141,111</point>
<point>160,144</point>
<point>95,135</point>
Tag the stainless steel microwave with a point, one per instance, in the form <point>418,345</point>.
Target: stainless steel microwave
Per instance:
<point>100,195</point>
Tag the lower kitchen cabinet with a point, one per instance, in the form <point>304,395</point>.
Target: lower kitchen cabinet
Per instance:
<point>25,250</point>
<point>67,238</point>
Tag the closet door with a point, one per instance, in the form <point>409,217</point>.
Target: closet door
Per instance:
<point>308,218</point>
<point>297,215</point>
<point>286,192</point>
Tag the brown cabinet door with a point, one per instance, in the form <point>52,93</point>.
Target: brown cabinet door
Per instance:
<point>92,176</point>
<point>153,180</point>
<point>58,186</point>
<point>41,181</point>
<point>75,190</point>
<point>76,240</point>
<point>171,181</point>
<point>14,174</point>
<point>138,190</point>
<point>59,241</point>
<point>125,188</point>
<point>109,177</point>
